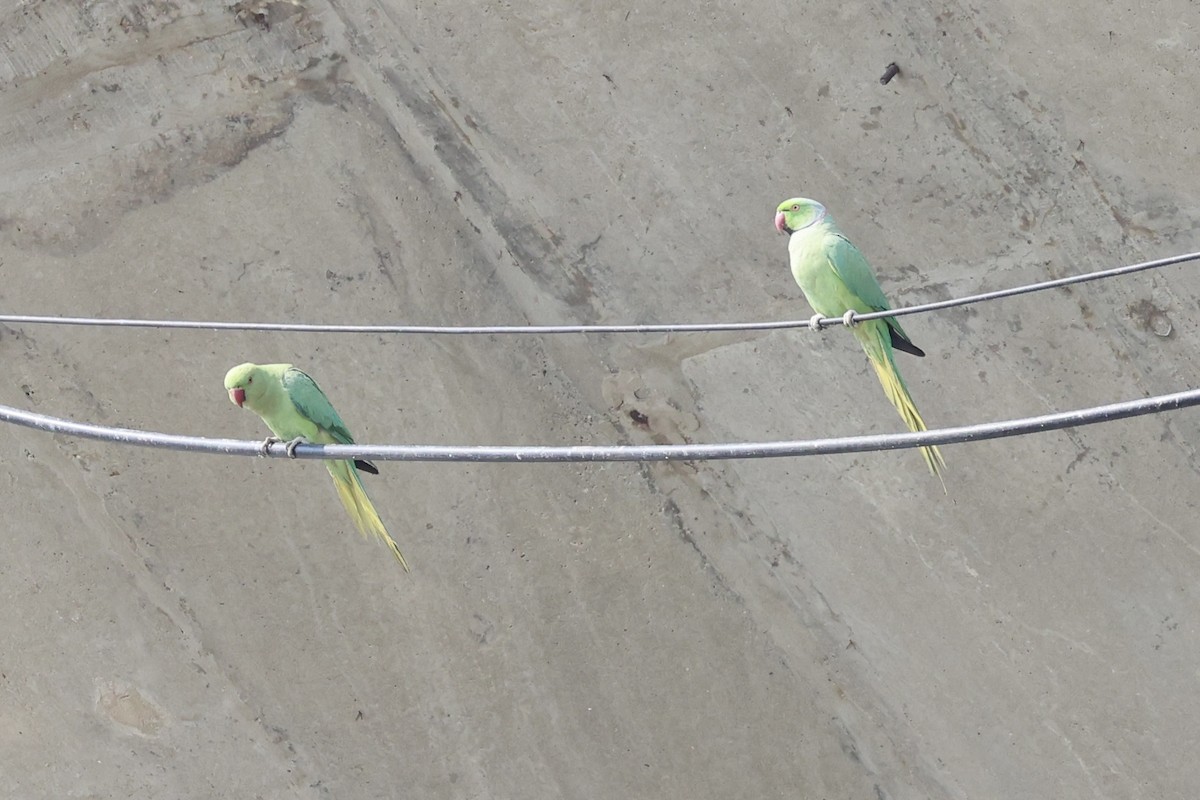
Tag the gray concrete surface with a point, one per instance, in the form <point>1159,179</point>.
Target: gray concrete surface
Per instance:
<point>196,627</point>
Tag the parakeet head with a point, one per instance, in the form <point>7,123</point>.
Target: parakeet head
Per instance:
<point>240,383</point>
<point>797,214</point>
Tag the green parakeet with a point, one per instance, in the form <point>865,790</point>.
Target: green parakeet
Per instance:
<point>296,410</point>
<point>835,278</point>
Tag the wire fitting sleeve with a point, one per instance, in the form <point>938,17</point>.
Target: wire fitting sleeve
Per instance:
<point>597,453</point>
<point>27,319</point>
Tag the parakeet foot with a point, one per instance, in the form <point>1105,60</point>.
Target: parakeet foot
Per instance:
<point>291,446</point>
<point>266,445</point>
<point>817,323</point>
<point>848,318</point>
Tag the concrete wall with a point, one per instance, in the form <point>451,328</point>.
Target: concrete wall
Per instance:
<point>195,627</point>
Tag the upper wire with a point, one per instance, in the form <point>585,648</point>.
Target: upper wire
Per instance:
<point>27,319</point>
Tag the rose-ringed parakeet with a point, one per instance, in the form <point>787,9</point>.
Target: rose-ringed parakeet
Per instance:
<point>835,279</point>
<point>296,410</point>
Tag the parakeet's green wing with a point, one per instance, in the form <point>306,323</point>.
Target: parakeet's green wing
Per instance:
<point>855,272</point>
<point>312,403</point>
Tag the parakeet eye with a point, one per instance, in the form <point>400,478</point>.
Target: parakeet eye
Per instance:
<point>796,207</point>
<point>249,380</point>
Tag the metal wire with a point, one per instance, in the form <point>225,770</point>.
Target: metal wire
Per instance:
<point>26,319</point>
<point>596,453</point>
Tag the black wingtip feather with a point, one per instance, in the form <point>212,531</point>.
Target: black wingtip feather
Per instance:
<point>900,343</point>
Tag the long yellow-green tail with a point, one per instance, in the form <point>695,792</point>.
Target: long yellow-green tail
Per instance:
<point>879,353</point>
<point>358,505</point>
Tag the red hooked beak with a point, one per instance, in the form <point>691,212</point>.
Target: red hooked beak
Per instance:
<point>781,225</point>
<point>238,396</point>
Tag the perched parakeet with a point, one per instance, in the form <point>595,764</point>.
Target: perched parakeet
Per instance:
<point>296,410</point>
<point>835,278</point>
